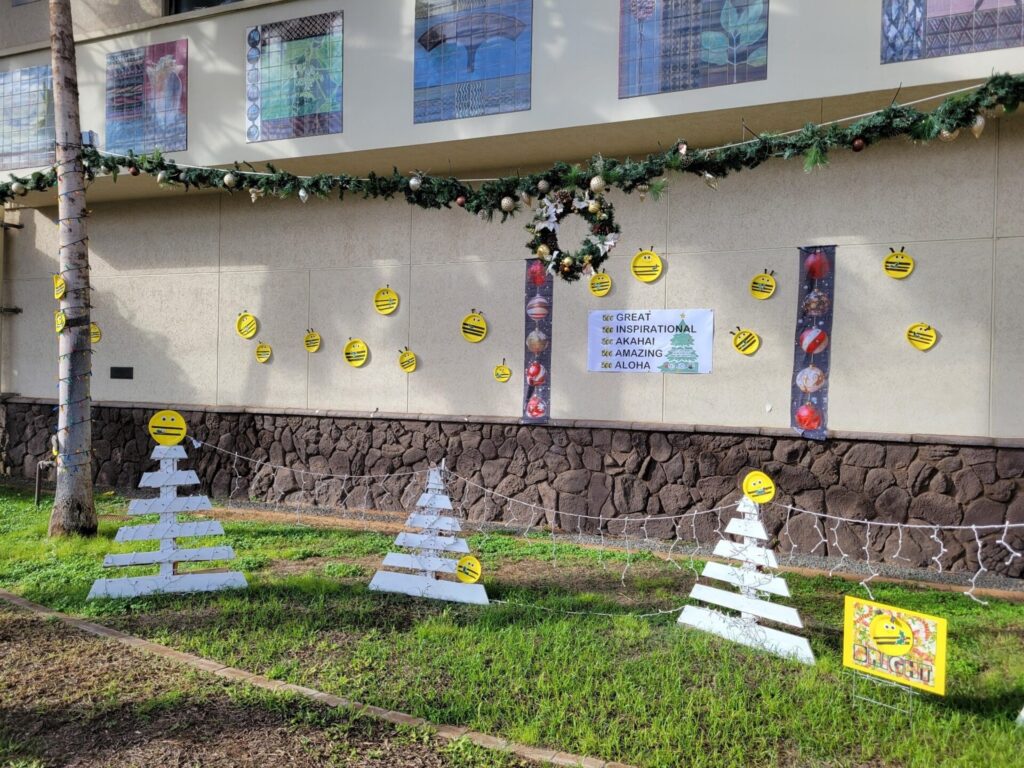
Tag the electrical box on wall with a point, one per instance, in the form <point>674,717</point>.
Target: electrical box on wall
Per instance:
<point>122,372</point>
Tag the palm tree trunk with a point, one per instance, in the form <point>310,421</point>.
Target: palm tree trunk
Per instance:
<point>73,509</point>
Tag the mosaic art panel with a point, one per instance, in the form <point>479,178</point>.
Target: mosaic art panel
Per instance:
<point>294,78</point>
<point>147,98</point>
<point>679,45</point>
<point>472,57</point>
<point>26,118</point>
<point>922,29</point>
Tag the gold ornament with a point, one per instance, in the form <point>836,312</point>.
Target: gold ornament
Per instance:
<point>566,264</point>
<point>597,185</point>
<point>255,193</point>
<point>508,204</point>
<point>710,179</point>
<point>162,178</point>
<point>543,252</point>
<point>643,189</point>
<point>978,126</point>
<point>525,199</point>
<point>949,135</point>
<point>594,206</point>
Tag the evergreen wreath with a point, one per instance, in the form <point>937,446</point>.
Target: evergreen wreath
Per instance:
<point>599,214</point>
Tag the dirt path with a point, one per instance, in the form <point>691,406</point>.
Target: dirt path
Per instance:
<point>70,699</point>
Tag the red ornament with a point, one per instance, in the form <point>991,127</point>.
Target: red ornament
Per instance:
<point>461,201</point>
<point>536,374</point>
<point>536,408</point>
<point>817,266</point>
<point>808,417</point>
<point>134,170</point>
<point>858,144</point>
<point>537,274</point>
<point>813,340</point>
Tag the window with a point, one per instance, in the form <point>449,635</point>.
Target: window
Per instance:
<point>184,6</point>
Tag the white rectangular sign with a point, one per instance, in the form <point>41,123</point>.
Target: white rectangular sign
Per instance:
<point>650,340</point>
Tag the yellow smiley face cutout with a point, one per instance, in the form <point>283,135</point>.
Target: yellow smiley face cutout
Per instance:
<point>59,321</point>
<point>385,301</point>
<point>60,287</point>
<point>763,286</point>
<point>311,341</point>
<point>891,635</point>
<point>468,569</point>
<point>502,373</point>
<point>407,361</point>
<point>646,266</point>
<point>600,284</point>
<point>263,352</point>
<point>95,334</point>
<point>167,427</point>
<point>474,327</point>
<point>922,336</point>
<point>898,265</point>
<point>246,325</point>
<point>356,353</point>
<point>746,342</point>
<point>758,487</point>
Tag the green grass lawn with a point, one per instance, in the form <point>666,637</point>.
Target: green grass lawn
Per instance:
<point>641,690</point>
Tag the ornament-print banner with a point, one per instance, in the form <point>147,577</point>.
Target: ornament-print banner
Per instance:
<point>540,285</point>
<point>811,351</point>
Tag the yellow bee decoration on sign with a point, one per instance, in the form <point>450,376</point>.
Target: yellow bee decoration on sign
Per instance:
<point>167,427</point>
<point>385,301</point>
<point>263,352</point>
<point>745,341</point>
<point>600,284</point>
<point>502,373</point>
<point>60,287</point>
<point>246,325</point>
<point>898,264</point>
<point>95,334</point>
<point>468,569</point>
<point>763,286</point>
<point>758,487</point>
<point>59,320</point>
<point>474,327</point>
<point>646,266</point>
<point>407,360</point>
<point>922,336</point>
<point>356,353</point>
<point>311,341</point>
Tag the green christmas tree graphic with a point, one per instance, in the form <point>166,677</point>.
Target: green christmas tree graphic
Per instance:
<point>681,356</point>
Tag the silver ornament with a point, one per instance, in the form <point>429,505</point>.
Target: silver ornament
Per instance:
<point>543,186</point>
<point>978,126</point>
<point>303,194</point>
<point>230,180</point>
<point>162,177</point>
<point>19,189</point>
<point>710,179</point>
<point>597,185</point>
<point>508,204</point>
<point>415,183</point>
<point>949,135</point>
<point>525,198</point>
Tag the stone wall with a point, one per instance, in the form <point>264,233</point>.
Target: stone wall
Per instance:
<point>621,475</point>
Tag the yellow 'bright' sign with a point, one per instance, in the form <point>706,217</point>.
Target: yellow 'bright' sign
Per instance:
<point>894,644</point>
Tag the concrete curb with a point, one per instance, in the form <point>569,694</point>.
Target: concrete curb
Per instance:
<point>447,732</point>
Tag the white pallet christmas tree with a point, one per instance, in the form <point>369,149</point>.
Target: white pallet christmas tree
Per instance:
<point>748,602</point>
<point>434,536</point>
<point>168,505</point>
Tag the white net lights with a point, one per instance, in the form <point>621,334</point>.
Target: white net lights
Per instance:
<point>168,505</point>
<point>433,537</point>
<point>752,583</point>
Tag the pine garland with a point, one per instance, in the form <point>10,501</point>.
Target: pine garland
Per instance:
<point>814,144</point>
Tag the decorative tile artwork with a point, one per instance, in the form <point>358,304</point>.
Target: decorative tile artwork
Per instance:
<point>678,45</point>
<point>26,118</point>
<point>147,98</point>
<point>293,78</point>
<point>922,29</point>
<point>472,57</point>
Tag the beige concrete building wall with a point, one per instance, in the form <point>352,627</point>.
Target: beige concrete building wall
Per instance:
<point>172,273</point>
<point>25,25</point>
